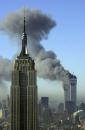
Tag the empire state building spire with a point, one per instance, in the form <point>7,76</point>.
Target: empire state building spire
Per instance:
<point>24,52</point>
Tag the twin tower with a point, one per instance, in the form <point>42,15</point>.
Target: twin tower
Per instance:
<point>24,91</point>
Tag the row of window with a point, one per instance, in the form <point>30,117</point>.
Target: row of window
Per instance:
<point>24,68</point>
<point>24,61</point>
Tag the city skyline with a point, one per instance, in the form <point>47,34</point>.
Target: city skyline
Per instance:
<point>66,39</point>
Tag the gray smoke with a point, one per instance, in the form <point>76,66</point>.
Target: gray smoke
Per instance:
<point>5,70</point>
<point>5,76</point>
<point>38,26</point>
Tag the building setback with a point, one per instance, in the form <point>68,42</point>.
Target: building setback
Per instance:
<point>24,91</point>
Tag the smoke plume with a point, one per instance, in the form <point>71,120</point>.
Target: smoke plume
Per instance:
<point>5,70</point>
<point>38,26</point>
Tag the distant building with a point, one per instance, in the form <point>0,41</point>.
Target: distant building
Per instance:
<point>66,92</point>
<point>70,90</point>
<point>69,107</point>
<point>44,102</point>
<point>73,88</point>
<point>82,106</point>
<point>61,108</point>
<point>5,108</point>
<point>45,114</point>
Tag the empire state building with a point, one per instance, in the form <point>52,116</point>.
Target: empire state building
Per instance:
<point>24,91</point>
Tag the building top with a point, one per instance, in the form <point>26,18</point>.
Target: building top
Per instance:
<point>24,51</point>
<point>24,62</point>
<point>71,75</point>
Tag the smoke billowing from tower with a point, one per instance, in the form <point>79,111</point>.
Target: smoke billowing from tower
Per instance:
<point>38,26</point>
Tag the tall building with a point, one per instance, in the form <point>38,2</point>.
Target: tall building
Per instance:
<point>45,114</point>
<point>70,91</point>
<point>61,108</point>
<point>24,91</point>
<point>66,92</point>
<point>44,102</point>
<point>73,83</point>
<point>70,107</point>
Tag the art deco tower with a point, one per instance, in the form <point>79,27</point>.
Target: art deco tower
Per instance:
<point>24,91</point>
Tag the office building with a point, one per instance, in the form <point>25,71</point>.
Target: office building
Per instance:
<point>70,90</point>
<point>44,102</point>
<point>24,91</point>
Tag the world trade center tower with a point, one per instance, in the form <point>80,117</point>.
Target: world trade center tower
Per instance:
<point>24,90</point>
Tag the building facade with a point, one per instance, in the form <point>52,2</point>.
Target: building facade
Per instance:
<point>66,92</point>
<point>73,83</point>
<point>24,91</point>
<point>44,102</point>
<point>70,91</point>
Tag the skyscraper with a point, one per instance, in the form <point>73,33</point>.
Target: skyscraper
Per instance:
<point>45,114</point>
<point>45,102</point>
<point>24,91</point>
<point>66,92</point>
<point>70,92</point>
<point>73,83</point>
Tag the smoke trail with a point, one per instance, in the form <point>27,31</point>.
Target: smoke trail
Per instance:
<point>38,26</point>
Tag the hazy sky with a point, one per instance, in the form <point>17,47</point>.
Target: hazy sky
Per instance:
<point>67,39</point>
